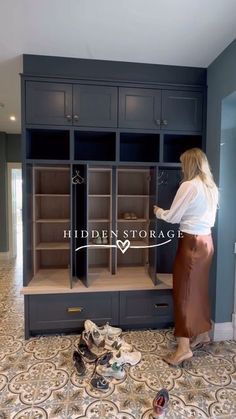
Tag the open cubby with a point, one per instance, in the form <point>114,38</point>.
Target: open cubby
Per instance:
<point>52,207</point>
<point>99,258</point>
<point>139,147</point>
<point>54,259</point>
<point>51,233</point>
<point>95,146</point>
<point>133,182</point>
<point>52,180</point>
<point>48,144</point>
<point>99,181</point>
<point>132,257</point>
<point>175,145</point>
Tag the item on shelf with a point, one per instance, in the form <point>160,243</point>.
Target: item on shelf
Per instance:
<point>133,216</point>
<point>116,343</point>
<point>160,404</point>
<point>104,240</point>
<point>97,240</point>
<point>105,330</point>
<point>124,357</point>
<point>111,370</point>
<point>79,363</point>
<point>126,216</point>
<point>100,383</point>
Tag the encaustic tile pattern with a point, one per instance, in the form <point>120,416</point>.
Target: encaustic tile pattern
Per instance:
<point>38,379</point>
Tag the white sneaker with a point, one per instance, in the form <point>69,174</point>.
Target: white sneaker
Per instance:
<point>105,330</point>
<point>124,357</point>
<point>111,370</point>
<point>117,344</point>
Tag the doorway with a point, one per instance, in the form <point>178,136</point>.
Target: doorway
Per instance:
<point>15,211</point>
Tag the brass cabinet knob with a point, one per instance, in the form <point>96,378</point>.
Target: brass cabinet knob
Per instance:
<point>76,118</point>
<point>158,122</point>
<point>164,122</point>
<point>160,305</point>
<point>74,309</point>
<point>69,118</point>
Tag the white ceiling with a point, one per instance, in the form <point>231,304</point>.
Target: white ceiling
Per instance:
<point>177,32</point>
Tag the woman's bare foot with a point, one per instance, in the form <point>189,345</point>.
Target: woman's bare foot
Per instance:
<point>178,357</point>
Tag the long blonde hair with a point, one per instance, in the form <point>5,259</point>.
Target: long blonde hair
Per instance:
<point>194,163</point>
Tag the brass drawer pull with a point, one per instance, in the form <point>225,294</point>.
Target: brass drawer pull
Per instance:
<point>161,305</point>
<point>74,309</point>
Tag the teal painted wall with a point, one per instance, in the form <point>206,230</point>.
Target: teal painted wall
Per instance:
<point>221,81</point>
<point>10,151</point>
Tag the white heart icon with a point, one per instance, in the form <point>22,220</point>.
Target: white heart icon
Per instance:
<point>123,246</point>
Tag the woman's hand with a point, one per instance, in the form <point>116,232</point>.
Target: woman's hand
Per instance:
<point>155,208</point>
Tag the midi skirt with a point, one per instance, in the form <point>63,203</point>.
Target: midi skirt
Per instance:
<point>190,285</point>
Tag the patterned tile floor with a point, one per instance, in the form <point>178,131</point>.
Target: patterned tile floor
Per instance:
<point>38,380</point>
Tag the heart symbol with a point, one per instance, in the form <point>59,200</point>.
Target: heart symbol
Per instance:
<point>123,246</point>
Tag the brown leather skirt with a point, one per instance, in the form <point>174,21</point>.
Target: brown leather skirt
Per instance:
<point>190,285</point>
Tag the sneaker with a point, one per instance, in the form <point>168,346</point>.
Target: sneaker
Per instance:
<point>97,240</point>
<point>105,330</point>
<point>98,339</point>
<point>160,404</point>
<point>79,363</point>
<point>105,358</point>
<point>100,383</point>
<point>111,370</point>
<point>123,357</point>
<point>117,344</point>
<point>85,352</point>
<point>104,240</point>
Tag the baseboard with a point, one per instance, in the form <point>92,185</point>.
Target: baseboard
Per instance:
<point>4,255</point>
<point>234,325</point>
<point>223,331</point>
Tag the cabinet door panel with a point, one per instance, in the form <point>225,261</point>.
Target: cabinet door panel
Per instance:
<point>152,254</point>
<point>94,106</point>
<point>69,311</point>
<point>80,222</point>
<point>146,308</point>
<point>139,108</point>
<point>182,110</point>
<point>48,103</point>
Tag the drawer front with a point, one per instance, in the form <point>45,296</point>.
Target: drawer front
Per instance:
<point>146,308</point>
<point>65,311</point>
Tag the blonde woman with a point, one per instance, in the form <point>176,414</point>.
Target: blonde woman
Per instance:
<point>194,208</point>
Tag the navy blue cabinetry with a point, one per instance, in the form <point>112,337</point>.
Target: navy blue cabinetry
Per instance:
<point>101,146</point>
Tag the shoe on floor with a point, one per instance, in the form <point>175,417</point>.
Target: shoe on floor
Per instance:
<point>116,344</point>
<point>200,340</point>
<point>100,383</point>
<point>123,357</point>
<point>86,353</point>
<point>160,404</point>
<point>105,330</point>
<point>105,358</point>
<point>111,370</point>
<point>175,362</point>
<point>79,363</point>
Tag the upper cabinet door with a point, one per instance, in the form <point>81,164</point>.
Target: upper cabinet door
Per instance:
<point>48,103</point>
<point>94,106</point>
<point>139,108</point>
<point>182,111</point>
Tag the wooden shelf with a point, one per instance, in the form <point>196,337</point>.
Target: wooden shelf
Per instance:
<point>53,246</point>
<point>133,196</point>
<point>138,220</point>
<point>98,196</point>
<point>52,168</point>
<point>52,220</point>
<point>55,281</point>
<point>99,220</point>
<point>52,195</point>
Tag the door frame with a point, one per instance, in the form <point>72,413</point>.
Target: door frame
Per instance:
<point>10,166</point>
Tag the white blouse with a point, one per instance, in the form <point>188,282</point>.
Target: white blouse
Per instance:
<point>193,208</point>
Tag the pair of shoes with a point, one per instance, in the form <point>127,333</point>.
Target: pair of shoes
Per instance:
<point>130,216</point>
<point>85,352</point>
<point>105,330</point>
<point>100,240</point>
<point>79,363</point>
<point>123,357</point>
<point>169,360</point>
<point>100,383</point>
<point>160,404</point>
<point>111,369</point>
<point>116,344</point>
